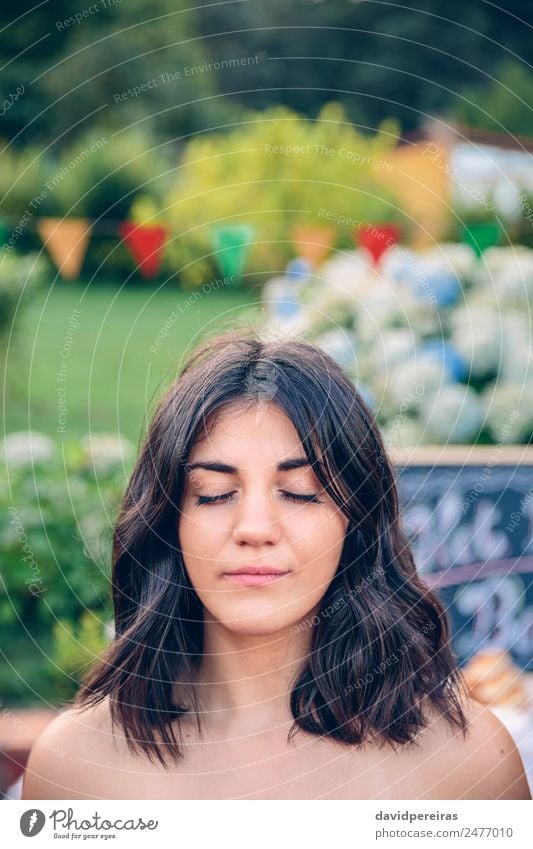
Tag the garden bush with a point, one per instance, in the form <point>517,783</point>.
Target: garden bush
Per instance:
<point>96,176</point>
<point>277,169</point>
<point>19,277</point>
<point>55,537</point>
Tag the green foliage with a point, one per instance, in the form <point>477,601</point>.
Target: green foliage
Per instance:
<point>275,171</point>
<point>56,518</point>
<point>72,71</point>
<point>75,649</point>
<point>146,210</point>
<point>18,276</point>
<point>22,177</point>
<point>96,176</point>
<point>111,172</point>
<point>405,60</point>
<point>379,59</point>
<point>502,104</point>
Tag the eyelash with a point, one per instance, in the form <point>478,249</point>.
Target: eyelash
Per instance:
<point>291,496</point>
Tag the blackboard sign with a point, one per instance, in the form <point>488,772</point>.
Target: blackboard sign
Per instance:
<point>468,512</point>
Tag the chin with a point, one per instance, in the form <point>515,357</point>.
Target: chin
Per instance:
<point>251,619</point>
<point>253,629</point>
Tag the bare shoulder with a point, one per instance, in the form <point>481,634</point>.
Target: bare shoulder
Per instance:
<point>483,764</point>
<point>66,759</point>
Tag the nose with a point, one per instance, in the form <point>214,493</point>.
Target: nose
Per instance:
<point>256,521</point>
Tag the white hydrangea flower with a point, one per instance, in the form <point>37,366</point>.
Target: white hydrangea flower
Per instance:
<point>509,410</point>
<point>103,451</point>
<point>25,447</point>
<point>326,308</point>
<point>517,358</point>
<point>454,414</point>
<point>408,382</point>
<point>501,258</point>
<point>391,319</point>
<point>380,309</point>
<point>477,335</point>
<point>452,256</point>
<point>393,347</point>
<point>287,328</point>
<point>423,319</point>
<point>400,264</point>
<point>339,344</point>
<point>344,272</point>
<point>513,279</point>
<point>403,432</point>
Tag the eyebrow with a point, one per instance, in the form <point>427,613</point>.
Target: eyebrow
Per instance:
<point>213,466</point>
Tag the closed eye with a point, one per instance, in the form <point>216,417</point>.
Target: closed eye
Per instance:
<point>208,499</point>
<point>311,498</point>
<point>290,496</point>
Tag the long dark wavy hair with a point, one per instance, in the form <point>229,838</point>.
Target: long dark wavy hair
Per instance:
<point>379,653</point>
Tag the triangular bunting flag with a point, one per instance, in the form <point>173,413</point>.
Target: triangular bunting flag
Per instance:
<point>146,243</point>
<point>376,238</point>
<point>66,241</point>
<point>480,235</point>
<point>313,243</point>
<point>231,244</point>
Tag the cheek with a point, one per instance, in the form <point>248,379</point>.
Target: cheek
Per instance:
<point>197,533</point>
<point>197,552</point>
<point>318,551</point>
<point>323,536</point>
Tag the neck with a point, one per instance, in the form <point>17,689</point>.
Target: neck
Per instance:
<point>244,681</point>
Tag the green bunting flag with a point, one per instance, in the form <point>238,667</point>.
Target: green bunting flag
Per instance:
<point>231,244</point>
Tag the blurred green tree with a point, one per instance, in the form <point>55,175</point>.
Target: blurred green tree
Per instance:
<point>379,59</point>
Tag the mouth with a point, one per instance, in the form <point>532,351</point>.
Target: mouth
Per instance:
<point>255,576</point>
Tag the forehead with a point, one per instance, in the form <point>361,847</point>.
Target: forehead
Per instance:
<point>258,436</point>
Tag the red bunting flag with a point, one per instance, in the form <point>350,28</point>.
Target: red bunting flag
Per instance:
<point>146,243</point>
<point>376,238</point>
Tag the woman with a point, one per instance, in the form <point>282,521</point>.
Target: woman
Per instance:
<point>273,640</point>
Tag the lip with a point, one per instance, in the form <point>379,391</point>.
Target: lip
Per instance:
<point>255,576</point>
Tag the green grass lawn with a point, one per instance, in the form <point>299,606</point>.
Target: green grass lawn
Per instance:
<point>102,362</point>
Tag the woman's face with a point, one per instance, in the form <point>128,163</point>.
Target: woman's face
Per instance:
<point>263,515</point>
